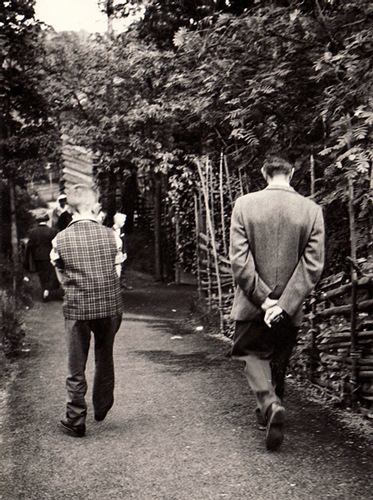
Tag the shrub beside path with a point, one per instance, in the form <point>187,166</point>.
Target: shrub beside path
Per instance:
<point>182,426</point>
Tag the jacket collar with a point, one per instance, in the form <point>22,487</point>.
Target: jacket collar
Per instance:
<point>79,218</point>
<point>281,187</point>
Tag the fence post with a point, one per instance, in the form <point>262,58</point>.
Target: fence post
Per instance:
<point>196,214</point>
<point>204,183</point>
<point>313,294</point>
<point>228,180</point>
<point>353,351</point>
<point>221,180</point>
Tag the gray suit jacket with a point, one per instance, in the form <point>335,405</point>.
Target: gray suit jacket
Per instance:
<point>276,249</point>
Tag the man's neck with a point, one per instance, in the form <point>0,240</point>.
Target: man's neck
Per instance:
<point>279,180</point>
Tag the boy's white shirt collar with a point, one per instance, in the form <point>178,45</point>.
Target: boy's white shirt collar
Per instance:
<point>77,217</point>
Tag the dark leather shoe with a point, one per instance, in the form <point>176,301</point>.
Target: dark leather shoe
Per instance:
<point>73,430</point>
<point>99,417</point>
<point>276,416</point>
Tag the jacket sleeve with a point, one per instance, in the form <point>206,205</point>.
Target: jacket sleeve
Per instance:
<point>242,261</point>
<point>308,270</point>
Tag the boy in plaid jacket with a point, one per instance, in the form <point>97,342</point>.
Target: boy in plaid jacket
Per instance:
<point>88,258</point>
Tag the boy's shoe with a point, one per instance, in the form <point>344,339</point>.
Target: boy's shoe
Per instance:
<point>262,426</point>
<point>73,430</point>
<point>99,417</point>
<point>276,415</point>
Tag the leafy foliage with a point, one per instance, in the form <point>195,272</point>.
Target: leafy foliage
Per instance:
<point>28,126</point>
<point>241,78</point>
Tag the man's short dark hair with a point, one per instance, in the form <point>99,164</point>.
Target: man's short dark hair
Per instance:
<point>275,164</point>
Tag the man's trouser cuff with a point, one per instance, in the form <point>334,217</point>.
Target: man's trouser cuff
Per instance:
<point>259,376</point>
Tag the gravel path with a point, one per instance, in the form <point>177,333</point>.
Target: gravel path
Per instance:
<point>182,425</point>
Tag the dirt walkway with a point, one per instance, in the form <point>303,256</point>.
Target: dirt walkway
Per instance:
<point>182,426</point>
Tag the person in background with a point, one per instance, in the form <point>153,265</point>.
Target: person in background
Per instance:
<point>88,259</point>
<point>119,221</point>
<point>39,246</point>
<point>61,216</point>
<point>277,256</point>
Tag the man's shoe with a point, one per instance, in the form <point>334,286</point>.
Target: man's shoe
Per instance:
<point>276,415</point>
<point>73,430</point>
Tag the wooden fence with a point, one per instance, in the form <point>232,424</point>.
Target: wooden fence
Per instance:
<point>215,280</point>
<point>337,342</point>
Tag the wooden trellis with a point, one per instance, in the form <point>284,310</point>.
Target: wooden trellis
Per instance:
<point>215,281</point>
<point>340,322</point>
<point>342,353</point>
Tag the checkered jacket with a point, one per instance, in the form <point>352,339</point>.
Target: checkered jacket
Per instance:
<point>87,252</point>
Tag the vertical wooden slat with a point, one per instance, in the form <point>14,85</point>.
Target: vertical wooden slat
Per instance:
<point>353,351</point>
<point>370,228</point>
<point>198,256</point>
<point>313,295</point>
<point>206,195</point>
<point>222,202</point>
<point>228,180</point>
<point>241,183</point>
<point>158,228</point>
<point>177,244</point>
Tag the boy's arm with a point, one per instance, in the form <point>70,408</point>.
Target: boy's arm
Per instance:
<point>119,258</point>
<point>56,260</point>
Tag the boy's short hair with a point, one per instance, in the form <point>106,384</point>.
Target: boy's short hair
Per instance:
<point>81,196</point>
<point>275,164</point>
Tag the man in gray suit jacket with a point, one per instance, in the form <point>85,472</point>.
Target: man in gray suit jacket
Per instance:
<point>277,257</point>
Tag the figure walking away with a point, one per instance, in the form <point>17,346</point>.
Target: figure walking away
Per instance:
<point>88,258</point>
<point>277,257</point>
<point>61,216</point>
<point>119,221</point>
<point>39,245</point>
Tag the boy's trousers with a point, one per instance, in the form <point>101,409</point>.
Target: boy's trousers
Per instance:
<point>78,333</point>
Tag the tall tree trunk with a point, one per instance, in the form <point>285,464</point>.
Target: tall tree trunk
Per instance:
<point>177,244</point>
<point>158,227</point>
<point>14,234</point>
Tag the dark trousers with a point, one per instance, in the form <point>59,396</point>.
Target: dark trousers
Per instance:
<point>266,352</point>
<point>78,333</point>
<point>47,274</point>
